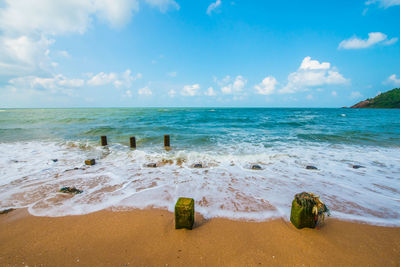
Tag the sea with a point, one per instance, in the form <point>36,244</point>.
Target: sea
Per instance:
<point>356,153</point>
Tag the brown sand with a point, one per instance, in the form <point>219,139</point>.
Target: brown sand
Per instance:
<point>148,238</point>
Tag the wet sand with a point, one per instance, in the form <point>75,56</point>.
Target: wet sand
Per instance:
<point>148,238</point>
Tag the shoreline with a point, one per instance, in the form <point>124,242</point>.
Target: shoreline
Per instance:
<point>148,238</point>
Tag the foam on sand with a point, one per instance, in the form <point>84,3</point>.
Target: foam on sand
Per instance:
<point>225,186</point>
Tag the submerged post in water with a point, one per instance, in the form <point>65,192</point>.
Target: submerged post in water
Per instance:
<point>132,141</point>
<point>104,140</point>
<point>166,141</point>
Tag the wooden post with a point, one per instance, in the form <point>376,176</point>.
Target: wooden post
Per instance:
<point>166,141</point>
<point>184,213</point>
<point>104,140</point>
<point>132,141</point>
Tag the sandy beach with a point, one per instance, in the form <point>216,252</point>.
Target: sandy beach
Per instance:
<point>148,238</point>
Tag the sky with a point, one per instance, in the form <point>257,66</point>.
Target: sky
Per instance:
<point>205,53</point>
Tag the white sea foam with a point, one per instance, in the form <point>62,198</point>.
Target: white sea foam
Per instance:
<point>225,186</point>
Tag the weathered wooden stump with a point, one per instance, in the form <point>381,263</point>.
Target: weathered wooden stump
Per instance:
<point>132,141</point>
<point>184,213</point>
<point>90,162</point>
<point>166,141</point>
<point>104,140</point>
<point>307,210</point>
<point>151,165</point>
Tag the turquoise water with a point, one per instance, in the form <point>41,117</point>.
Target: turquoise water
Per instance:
<point>226,141</point>
<point>204,127</point>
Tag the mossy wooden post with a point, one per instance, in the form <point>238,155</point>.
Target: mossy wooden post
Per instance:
<point>166,141</point>
<point>104,140</point>
<point>184,213</point>
<point>132,141</point>
<point>90,162</point>
<point>302,214</point>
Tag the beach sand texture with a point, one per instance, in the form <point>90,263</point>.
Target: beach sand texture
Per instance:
<point>148,238</point>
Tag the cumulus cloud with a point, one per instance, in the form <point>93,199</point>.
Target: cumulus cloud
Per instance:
<point>383,3</point>
<point>213,6</point>
<point>172,93</point>
<point>124,79</point>
<point>28,28</point>
<point>145,91</point>
<point>57,84</point>
<point>46,83</point>
<point>235,87</point>
<point>190,90</point>
<point>393,80</point>
<point>267,86</point>
<point>373,39</point>
<point>210,92</point>
<point>312,73</point>
<point>128,94</point>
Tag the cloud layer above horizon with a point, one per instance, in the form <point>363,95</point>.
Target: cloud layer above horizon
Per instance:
<point>182,55</point>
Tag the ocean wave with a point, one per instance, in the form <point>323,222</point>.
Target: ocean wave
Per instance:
<point>225,186</point>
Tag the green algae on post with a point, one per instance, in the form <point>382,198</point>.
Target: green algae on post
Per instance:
<point>184,213</point>
<point>307,210</point>
<point>90,162</point>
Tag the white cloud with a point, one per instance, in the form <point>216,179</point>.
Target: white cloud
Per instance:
<point>383,3</point>
<point>28,28</point>
<point>124,79</point>
<point>267,86</point>
<point>128,94</point>
<point>235,87</point>
<point>172,93</point>
<point>334,93</point>
<point>373,39</point>
<point>190,90</point>
<point>210,92</point>
<point>312,73</point>
<point>309,97</point>
<point>393,80</point>
<point>46,83</point>
<point>145,91</point>
<point>213,6</point>
<point>163,5</point>
<point>356,95</point>
<point>102,79</point>
<point>391,41</point>
<point>57,84</point>
<point>309,64</point>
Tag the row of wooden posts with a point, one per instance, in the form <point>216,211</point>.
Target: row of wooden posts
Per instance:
<point>132,141</point>
<point>301,216</point>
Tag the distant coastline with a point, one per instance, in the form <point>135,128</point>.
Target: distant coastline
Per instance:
<point>387,100</point>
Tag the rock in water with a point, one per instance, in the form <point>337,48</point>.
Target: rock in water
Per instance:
<point>198,165</point>
<point>256,167</point>
<point>307,210</point>
<point>184,213</point>
<point>90,162</point>
<point>6,211</point>
<point>151,165</point>
<point>357,166</point>
<point>70,190</point>
<point>311,167</point>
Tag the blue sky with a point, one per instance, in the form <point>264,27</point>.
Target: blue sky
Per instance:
<point>143,53</point>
